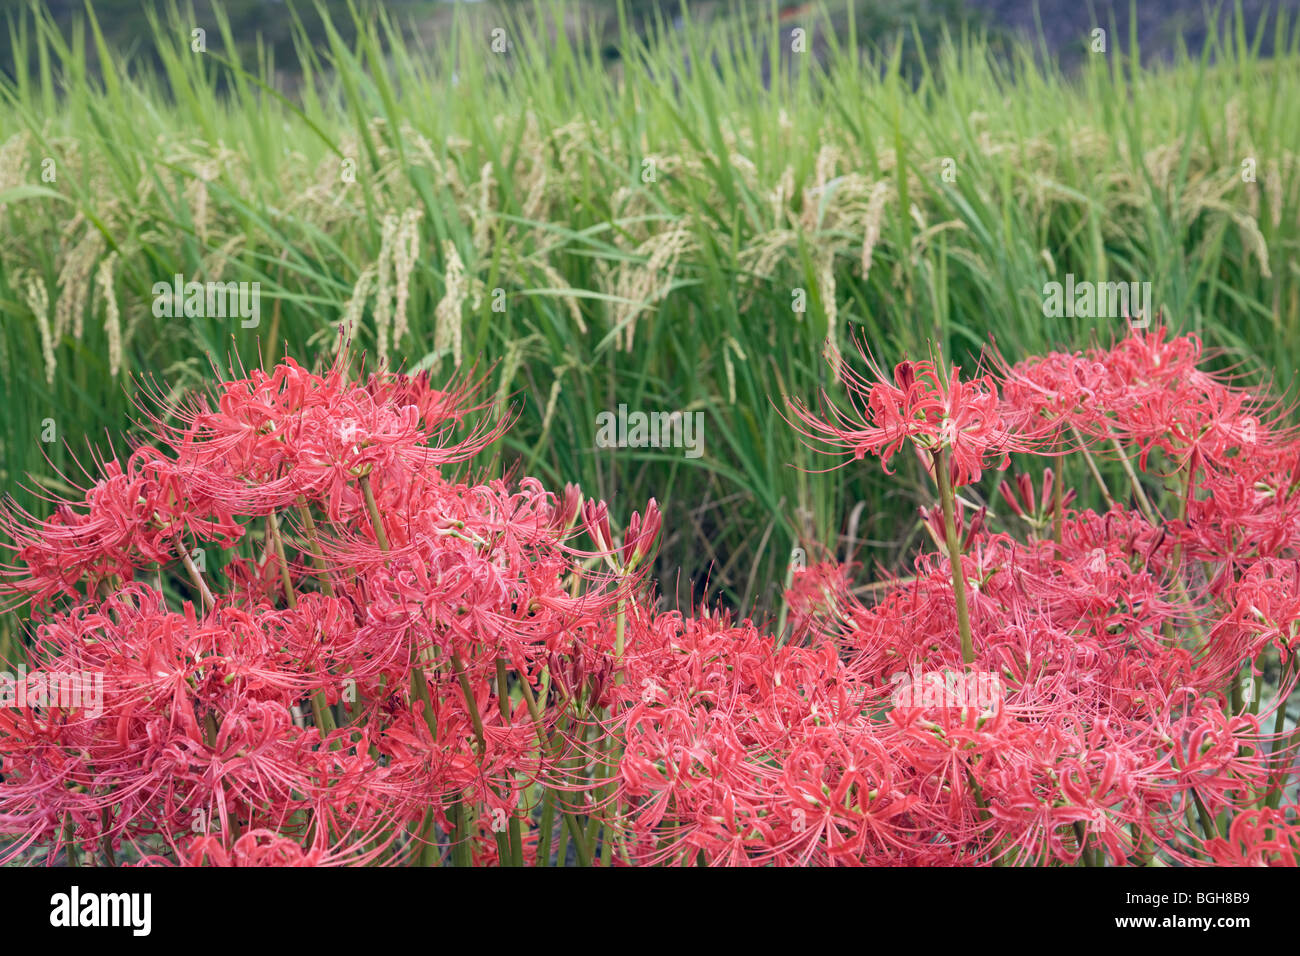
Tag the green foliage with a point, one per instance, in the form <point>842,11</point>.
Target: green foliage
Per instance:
<point>762,185</point>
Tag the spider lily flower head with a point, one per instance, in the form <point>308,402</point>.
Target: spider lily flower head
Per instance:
<point>1260,837</point>
<point>925,404</point>
<point>1149,391</point>
<point>134,515</point>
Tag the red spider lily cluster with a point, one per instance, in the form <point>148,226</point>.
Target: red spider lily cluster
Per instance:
<point>321,642</point>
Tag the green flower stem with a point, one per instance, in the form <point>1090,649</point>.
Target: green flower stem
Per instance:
<point>503,699</point>
<point>376,522</point>
<point>1058,508</point>
<point>547,827</point>
<point>1081,835</point>
<point>70,843</point>
<point>954,555</point>
<point>571,824</point>
<point>320,709</point>
<point>205,595</point>
<point>1092,467</point>
<point>313,541</point>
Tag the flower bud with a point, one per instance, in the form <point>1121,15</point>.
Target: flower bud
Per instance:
<point>595,517</point>
<point>1005,489</point>
<point>640,536</point>
<point>905,375</point>
<point>567,508</point>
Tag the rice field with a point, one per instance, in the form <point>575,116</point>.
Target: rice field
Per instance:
<point>687,233</point>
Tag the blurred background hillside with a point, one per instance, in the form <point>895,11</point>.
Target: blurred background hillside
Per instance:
<point>1059,27</point>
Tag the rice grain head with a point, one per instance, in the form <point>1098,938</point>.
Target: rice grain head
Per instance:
<point>645,284</point>
<point>215,265</point>
<point>553,398</point>
<point>406,252</point>
<point>74,282</point>
<point>571,301</point>
<point>873,218</point>
<point>351,320</point>
<point>449,313</point>
<point>826,286</point>
<point>384,287</point>
<point>112,317</point>
<point>12,155</point>
<point>38,300</point>
<point>780,196</point>
<point>1273,186</point>
<point>760,258</point>
<point>482,216</point>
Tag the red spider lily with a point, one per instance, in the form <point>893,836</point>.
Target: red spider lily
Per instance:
<point>931,407</point>
<point>381,663</point>
<point>1264,837</point>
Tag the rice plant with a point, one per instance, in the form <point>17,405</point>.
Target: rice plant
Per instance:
<point>689,232</point>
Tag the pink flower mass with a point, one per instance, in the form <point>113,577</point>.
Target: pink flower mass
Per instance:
<point>326,639</point>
